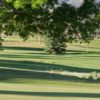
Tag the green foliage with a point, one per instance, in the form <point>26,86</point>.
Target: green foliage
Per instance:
<point>54,45</point>
<point>1,40</point>
<point>23,17</point>
<point>23,20</point>
<point>84,22</point>
<point>21,3</point>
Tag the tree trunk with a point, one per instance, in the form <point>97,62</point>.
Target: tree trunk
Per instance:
<point>39,40</point>
<point>79,41</point>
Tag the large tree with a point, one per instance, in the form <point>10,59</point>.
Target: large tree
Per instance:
<point>48,17</point>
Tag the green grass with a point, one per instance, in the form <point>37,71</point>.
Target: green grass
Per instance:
<point>16,38</point>
<point>14,91</point>
<point>27,73</point>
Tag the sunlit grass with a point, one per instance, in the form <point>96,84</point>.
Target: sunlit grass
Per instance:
<point>26,69</point>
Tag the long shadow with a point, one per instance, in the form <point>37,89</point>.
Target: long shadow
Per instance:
<point>41,49</point>
<point>23,48</point>
<point>43,56</point>
<point>28,76</point>
<point>32,56</point>
<point>10,70</point>
<point>74,52</point>
<point>42,66</point>
<point>6,74</point>
<point>52,94</point>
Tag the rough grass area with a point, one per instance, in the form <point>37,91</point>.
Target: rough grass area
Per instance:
<point>27,73</point>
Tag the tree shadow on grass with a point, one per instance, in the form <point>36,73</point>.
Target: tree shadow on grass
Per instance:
<point>6,74</point>
<point>42,66</point>
<point>73,52</point>
<point>23,48</point>
<point>29,76</point>
<point>42,57</point>
<point>52,94</point>
<point>35,70</point>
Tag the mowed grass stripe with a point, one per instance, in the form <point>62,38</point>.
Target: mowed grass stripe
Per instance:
<point>15,63</point>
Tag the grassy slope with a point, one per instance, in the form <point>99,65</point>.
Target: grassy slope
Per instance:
<point>27,64</point>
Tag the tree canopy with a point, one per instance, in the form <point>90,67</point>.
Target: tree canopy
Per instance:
<point>22,3</point>
<point>49,17</point>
